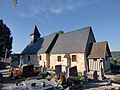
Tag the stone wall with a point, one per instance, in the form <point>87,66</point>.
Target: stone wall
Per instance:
<point>45,59</point>
<point>80,61</point>
<point>53,60</point>
<point>33,59</point>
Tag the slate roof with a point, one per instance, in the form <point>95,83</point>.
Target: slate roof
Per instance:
<point>42,45</point>
<point>35,31</point>
<point>71,42</point>
<point>99,50</point>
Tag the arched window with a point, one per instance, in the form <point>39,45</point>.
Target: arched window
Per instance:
<point>28,58</point>
<point>40,57</point>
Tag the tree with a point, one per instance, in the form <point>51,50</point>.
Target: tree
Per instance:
<point>5,40</point>
<point>59,32</point>
<point>14,2</point>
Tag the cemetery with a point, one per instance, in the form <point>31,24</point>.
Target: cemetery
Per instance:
<point>59,79</point>
<point>60,62</point>
<point>47,63</point>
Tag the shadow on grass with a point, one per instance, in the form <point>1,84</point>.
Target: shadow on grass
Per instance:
<point>92,85</point>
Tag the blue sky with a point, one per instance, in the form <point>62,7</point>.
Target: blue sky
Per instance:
<point>68,15</point>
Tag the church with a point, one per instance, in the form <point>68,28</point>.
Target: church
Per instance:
<point>76,48</point>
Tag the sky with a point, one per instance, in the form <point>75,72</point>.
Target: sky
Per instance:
<point>67,15</point>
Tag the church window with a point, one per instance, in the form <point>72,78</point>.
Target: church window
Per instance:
<point>73,58</point>
<point>59,58</point>
<point>28,58</point>
<point>40,57</point>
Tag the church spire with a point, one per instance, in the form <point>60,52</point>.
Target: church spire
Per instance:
<point>34,34</point>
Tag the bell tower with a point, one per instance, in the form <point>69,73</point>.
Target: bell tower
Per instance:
<point>34,35</point>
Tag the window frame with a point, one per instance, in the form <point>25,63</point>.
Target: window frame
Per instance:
<point>74,58</point>
<point>28,58</point>
<point>40,57</point>
<point>59,58</point>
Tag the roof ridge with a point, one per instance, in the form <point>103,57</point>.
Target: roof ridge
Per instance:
<point>49,35</point>
<point>84,28</point>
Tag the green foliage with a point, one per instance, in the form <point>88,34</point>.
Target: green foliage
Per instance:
<point>39,73</point>
<point>5,40</point>
<point>59,32</point>
<point>115,59</point>
<point>81,78</point>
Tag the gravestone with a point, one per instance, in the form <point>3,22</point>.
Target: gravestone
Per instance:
<point>85,75</point>
<point>101,74</point>
<point>63,68</point>
<point>45,69</point>
<point>67,67</point>
<point>95,76</point>
<point>72,71</point>
<point>42,70</point>
<point>58,69</point>
<point>28,71</point>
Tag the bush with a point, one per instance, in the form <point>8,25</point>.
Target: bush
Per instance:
<point>39,73</point>
<point>81,78</point>
<point>73,81</point>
